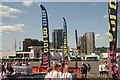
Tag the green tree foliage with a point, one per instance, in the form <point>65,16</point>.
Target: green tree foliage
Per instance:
<point>105,49</point>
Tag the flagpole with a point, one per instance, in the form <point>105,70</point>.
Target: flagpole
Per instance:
<point>15,46</point>
<point>76,37</point>
<point>76,47</point>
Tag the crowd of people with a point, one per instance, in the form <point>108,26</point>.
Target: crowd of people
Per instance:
<point>7,69</point>
<point>16,63</point>
<point>104,70</point>
<point>62,72</point>
<point>58,73</point>
<point>57,70</point>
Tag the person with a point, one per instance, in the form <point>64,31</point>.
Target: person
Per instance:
<point>84,70</point>
<point>0,71</point>
<point>25,63</point>
<point>52,62</point>
<point>54,73</point>
<point>105,68</point>
<point>9,69</point>
<point>18,63</point>
<point>88,67</point>
<point>0,76</point>
<point>100,70</point>
<point>3,72</point>
<point>117,68</point>
<point>66,75</point>
<point>60,70</point>
<point>48,74</point>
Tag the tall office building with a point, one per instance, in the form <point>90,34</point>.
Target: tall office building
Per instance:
<point>90,42</point>
<point>83,44</point>
<point>31,42</point>
<point>57,38</point>
<point>79,43</point>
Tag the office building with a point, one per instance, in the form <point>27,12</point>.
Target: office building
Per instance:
<point>57,38</point>
<point>90,42</point>
<point>83,44</point>
<point>79,45</point>
<point>31,42</point>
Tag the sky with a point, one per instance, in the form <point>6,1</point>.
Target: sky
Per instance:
<point>22,20</point>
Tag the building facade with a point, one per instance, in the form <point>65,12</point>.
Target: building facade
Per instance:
<point>83,45</point>
<point>90,42</point>
<point>35,52</point>
<point>57,38</point>
<point>31,42</point>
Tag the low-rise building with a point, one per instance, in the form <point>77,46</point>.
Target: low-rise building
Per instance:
<point>7,54</point>
<point>35,52</point>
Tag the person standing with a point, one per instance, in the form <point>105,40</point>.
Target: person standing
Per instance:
<point>84,70</point>
<point>0,71</point>
<point>117,68</point>
<point>9,69</point>
<point>66,75</point>
<point>105,68</point>
<point>54,73</point>
<point>60,71</point>
<point>100,71</point>
<point>48,74</point>
<point>88,67</point>
<point>3,72</point>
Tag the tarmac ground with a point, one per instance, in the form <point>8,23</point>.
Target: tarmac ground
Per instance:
<point>94,73</point>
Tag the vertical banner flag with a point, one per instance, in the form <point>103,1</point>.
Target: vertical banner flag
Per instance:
<point>76,46</point>
<point>76,39</point>
<point>65,48</point>
<point>45,30</point>
<point>112,11</point>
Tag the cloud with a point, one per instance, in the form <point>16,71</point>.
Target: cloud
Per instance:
<point>7,14</point>
<point>9,9</point>
<point>97,35</point>
<point>105,16</point>
<point>99,38</point>
<point>93,4</point>
<point>107,33</point>
<point>6,11</point>
<point>12,28</point>
<point>27,3</point>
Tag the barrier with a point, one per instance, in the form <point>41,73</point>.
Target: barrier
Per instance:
<point>43,70</point>
<point>36,69</point>
<point>23,69</point>
<point>76,70</point>
<point>39,69</point>
<point>26,77</point>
